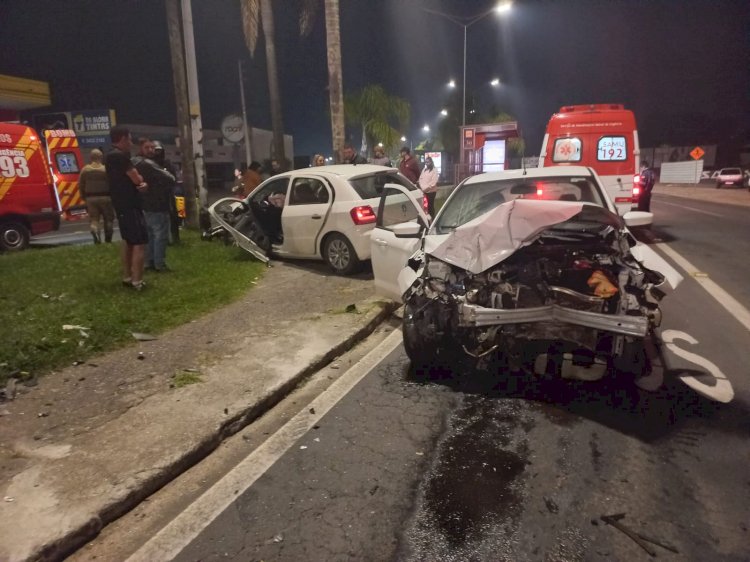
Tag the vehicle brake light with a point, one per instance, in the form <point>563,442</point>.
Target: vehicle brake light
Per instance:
<point>425,204</point>
<point>636,178</point>
<point>539,192</point>
<point>363,215</point>
<point>623,199</point>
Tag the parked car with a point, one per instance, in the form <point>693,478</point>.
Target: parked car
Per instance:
<point>325,212</point>
<point>729,176</point>
<point>534,265</point>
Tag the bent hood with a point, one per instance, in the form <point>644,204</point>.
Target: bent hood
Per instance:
<point>491,238</point>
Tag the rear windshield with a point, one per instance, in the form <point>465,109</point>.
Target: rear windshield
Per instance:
<point>370,187</point>
<point>475,199</point>
<point>731,171</point>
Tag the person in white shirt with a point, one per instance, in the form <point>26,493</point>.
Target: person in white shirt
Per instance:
<point>428,184</point>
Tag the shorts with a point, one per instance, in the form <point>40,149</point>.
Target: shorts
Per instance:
<point>132,227</point>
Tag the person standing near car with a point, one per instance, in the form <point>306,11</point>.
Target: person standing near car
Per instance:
<point>94,189</point>
<point>251,178</point>
<point>155,204</point>
<point>174,219</point>
<point>408,165</point>
<point>379,157</point>
<point>648,179</point>
<point>428,180</point>
<point>351,156</point>
<point>125,186</point>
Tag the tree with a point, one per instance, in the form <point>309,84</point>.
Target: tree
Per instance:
<point>257,15</point>
<point>335,80</point>
<point>381,116</point>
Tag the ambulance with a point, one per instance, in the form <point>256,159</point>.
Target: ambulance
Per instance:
<point>64,158</point>
<point>603,137</point>
<point>29,202</point>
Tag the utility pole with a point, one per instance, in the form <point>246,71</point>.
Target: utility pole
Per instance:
<point>196,125</point>
<point>183,116</point>
<point>248,136</point>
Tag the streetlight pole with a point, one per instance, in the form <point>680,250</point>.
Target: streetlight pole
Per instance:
<point>466,23</point>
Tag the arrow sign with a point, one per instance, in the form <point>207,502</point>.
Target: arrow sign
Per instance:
<point>697,153</point>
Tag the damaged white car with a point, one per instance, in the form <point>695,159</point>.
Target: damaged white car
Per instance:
<point>533,266</point>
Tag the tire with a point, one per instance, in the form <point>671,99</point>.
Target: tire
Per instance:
<point>14,236</point>
<point>339,254</point>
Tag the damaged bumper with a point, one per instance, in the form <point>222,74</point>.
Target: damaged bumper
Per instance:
<point>470,315</point>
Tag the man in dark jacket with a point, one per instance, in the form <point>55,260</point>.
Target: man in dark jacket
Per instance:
<point>351,156</point>
<point>408,165</point>
<point>155,203</point>
<point>174,220</point>
<point>648,178</point>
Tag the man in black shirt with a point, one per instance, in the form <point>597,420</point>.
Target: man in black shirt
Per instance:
<point>125,184</point>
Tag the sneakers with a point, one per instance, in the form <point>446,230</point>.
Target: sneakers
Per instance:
<point>139,286</point>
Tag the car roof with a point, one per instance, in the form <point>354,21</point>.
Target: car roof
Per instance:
<point>531,173</point>
<point>344,171</point>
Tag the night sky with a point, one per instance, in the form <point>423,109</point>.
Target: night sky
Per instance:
<point>683,66</point>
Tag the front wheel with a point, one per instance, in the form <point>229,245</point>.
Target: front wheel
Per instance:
<point>14,236</point>
<point>339,254</point>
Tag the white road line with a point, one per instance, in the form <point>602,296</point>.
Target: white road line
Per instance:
<point>173,538</point>
<point>726,300</point>
<point>662,202</point>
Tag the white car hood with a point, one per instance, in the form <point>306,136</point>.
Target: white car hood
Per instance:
<point>491,238</point>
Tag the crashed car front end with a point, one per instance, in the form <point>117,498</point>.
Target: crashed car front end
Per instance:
<point>570,287</point>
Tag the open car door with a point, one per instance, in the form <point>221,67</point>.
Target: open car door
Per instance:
<point>235,217</point>
<point>396,236</point>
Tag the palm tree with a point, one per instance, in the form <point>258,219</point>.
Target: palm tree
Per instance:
<point>335,81</point>
<point>257,15</point>
<point>380,115</point>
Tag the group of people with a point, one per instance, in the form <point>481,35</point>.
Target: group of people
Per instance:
<point>426,178</point>
<point>139,192</point>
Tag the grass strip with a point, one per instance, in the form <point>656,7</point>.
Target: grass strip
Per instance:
<point>44,289</point>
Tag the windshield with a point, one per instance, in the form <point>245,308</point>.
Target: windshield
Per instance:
<point>475,199</point>
<point>731,172</point>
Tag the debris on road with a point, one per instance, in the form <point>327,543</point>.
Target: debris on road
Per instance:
<point>639,538</point>
<point>551,505</point>
<point>351,308</point>
<point>143,337</point>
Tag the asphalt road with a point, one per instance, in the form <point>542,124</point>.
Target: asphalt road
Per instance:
<point>465,465</point>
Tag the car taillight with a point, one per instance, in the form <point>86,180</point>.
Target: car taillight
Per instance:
<point>636,178</point>
<point>636,193</point>
<point>363,215</point>
<point>539,192</point>
<point>425,204</point>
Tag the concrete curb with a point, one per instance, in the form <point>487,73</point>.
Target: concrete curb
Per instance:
<point>72,497</point>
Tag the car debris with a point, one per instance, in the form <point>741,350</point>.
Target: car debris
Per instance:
<point>639,538</point>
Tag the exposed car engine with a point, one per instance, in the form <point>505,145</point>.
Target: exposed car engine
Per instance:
<point>581,294</point>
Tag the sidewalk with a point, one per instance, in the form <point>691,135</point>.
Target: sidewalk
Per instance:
<point>705,192</point>
<point>90,442</point>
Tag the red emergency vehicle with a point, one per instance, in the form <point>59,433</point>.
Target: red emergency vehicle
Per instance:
<point>65,162</point>
<point>29,203</point>
<point>603,137</point>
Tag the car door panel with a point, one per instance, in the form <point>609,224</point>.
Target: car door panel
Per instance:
<point>389,252</point>
<point>305,215</point>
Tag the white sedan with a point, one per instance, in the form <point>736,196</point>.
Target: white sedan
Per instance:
<point>325,212</point>
<point>535,266</point>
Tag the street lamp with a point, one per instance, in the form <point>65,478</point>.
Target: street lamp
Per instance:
<point>502,8</point>
<point>444,112</point>
<point>495,82</point>
<point>452,84</point>
<point>426,128</point>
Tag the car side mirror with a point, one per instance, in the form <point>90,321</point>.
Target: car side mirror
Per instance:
<point>638,218</point>
<point>407,230</point>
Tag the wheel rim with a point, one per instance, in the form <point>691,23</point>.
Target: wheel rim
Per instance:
<point>338,254</point>
<point>11,238</point>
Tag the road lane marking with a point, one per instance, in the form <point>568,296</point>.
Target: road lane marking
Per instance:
<point>691,208</point>
<point>726,300</point>
<point>184,528</point>
<point>721,390</point>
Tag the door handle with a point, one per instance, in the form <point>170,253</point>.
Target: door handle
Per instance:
<point>316,216</point>
<point>381,242</point>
